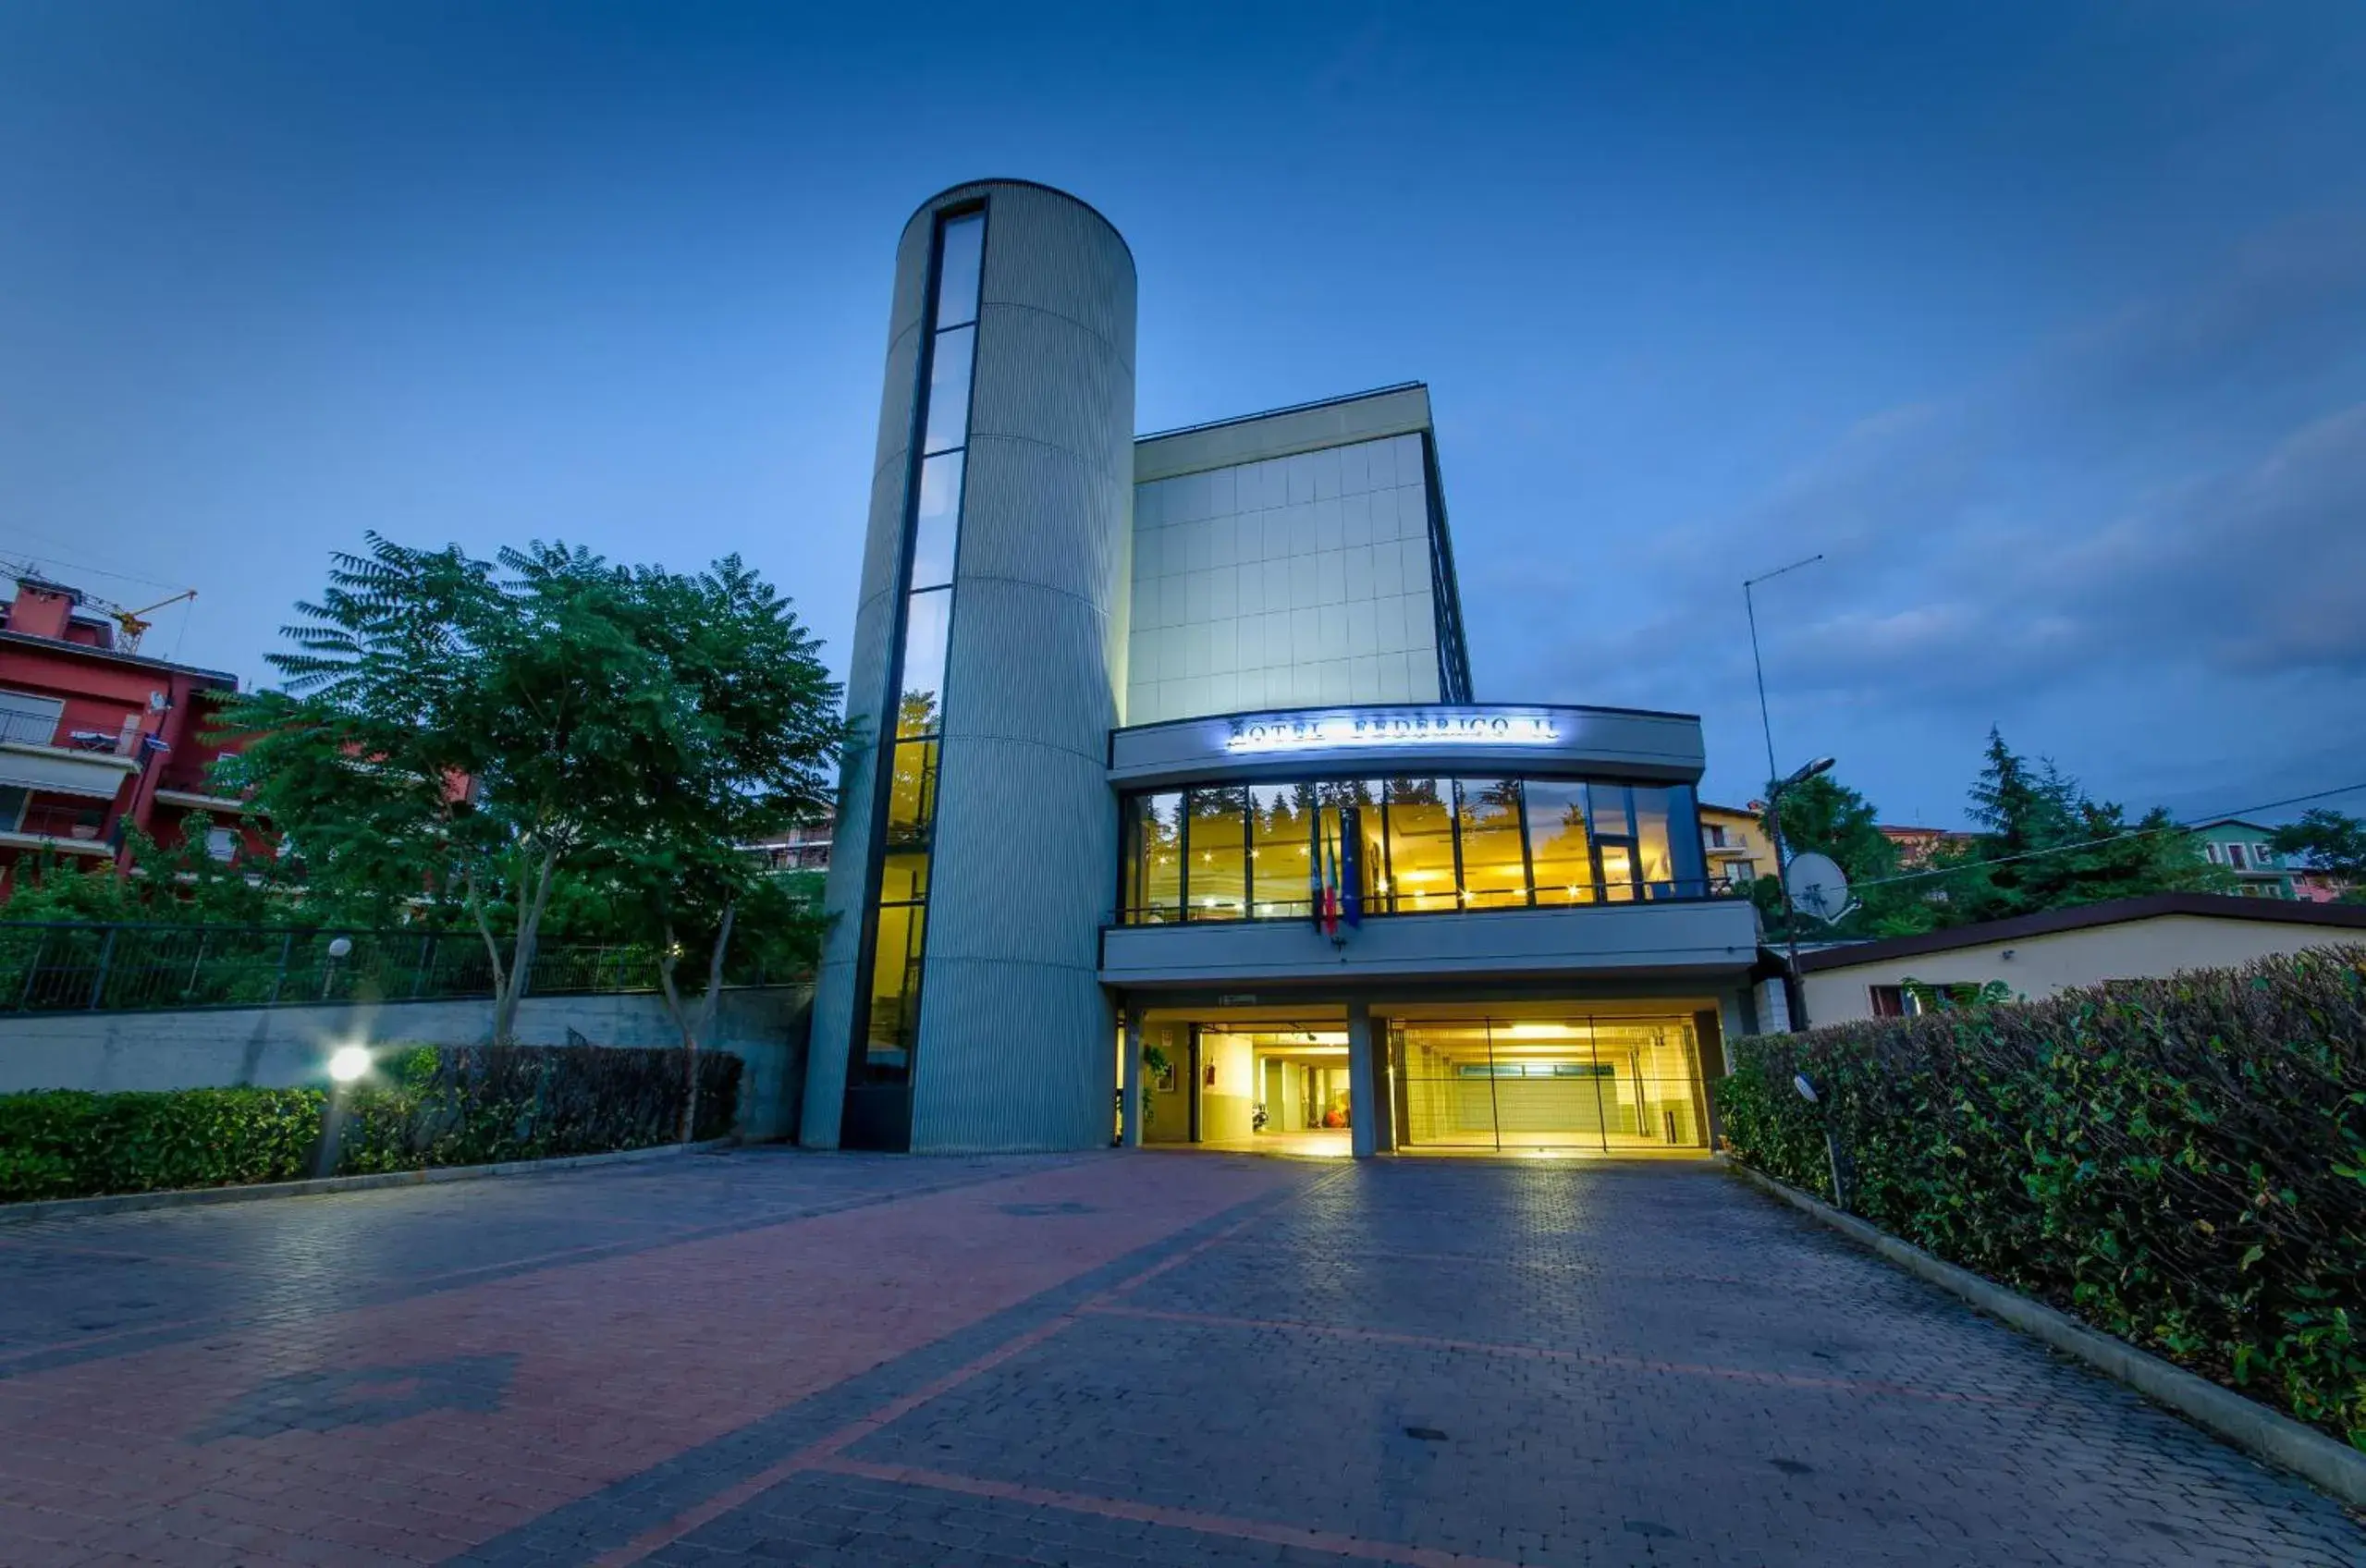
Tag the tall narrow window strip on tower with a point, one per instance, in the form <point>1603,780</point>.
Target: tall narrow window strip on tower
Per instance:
<point>960,251</point>
<point>935,518</point>
<point>927,623</point>
<point>947,425</point>
<point>897,907</point>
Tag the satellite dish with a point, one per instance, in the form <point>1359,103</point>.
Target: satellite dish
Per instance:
<point>1816,886</point>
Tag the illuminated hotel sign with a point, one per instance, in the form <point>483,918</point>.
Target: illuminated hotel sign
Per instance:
<point>1411,727</point>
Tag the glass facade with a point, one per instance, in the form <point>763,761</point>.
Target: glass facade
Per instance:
<point>1281,849</point>
<point>896,917</point>
<point>1216,835</point>
<point>1312,578</point>
<point>1425,846</point>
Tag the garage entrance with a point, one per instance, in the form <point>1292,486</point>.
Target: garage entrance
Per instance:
<point>1516,1076</point>
<point>1576,1084</point>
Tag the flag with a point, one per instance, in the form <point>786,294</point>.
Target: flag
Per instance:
<point>1351,865</point>
<point>1330,886</point>
<point>1314,878</point>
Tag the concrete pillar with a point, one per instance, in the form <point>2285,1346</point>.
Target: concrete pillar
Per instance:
<point>1129,1108</point>
<point>1384,1099</point>
<point>1363,1084</point>
<point>1734,1022</point>
<point>1773,1008</point>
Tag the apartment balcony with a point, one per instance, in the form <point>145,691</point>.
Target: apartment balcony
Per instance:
<point>60,829</point>
<point>64,758</point>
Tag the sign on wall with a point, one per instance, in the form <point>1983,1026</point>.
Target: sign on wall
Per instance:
<point>1383,728</point>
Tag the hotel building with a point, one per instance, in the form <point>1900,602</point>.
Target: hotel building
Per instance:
<point>1173,814</point>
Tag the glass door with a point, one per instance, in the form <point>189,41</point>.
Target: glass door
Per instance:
<point>1581,1084</point>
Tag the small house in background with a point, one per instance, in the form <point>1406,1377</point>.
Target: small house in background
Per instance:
<point>2037,956</point>
<point>1918,846</point>
<point>96,738</point>
<point>1734,842</point>
<point>2244,849</point>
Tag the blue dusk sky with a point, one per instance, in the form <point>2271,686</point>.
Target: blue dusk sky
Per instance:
<point>2045,324</point>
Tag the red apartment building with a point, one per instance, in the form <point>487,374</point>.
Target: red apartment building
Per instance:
<point>1916,845</point>
<point>96,739</point>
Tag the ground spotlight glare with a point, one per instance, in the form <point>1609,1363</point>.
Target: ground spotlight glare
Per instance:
<point>349,1063</point>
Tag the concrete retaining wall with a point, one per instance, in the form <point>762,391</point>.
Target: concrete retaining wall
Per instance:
<point>284,1047</point>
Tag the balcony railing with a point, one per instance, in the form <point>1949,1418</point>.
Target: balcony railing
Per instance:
<point>28,730</point>
<point>54,967</point>
<point>74,824</point>
<point>35,730</point>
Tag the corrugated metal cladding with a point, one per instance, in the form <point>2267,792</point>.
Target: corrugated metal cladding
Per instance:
<point>1016,1040</point>
<point>1015,1048</point>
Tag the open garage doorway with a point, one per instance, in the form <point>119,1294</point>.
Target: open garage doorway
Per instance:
<point>1261,1081</point>
<point>1612,1077</point>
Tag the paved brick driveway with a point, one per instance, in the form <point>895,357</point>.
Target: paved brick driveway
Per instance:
<point>1116,1359</point>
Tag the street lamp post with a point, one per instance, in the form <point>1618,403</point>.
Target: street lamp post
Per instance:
<point>348,1065</point>
<point>1832,1145</point>
<point>1790,925</point>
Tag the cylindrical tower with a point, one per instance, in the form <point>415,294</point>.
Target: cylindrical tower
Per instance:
<point>959,1005</point>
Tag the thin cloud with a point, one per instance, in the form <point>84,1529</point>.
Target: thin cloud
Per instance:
<point>2167,501</point>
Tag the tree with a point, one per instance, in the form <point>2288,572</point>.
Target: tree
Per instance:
<point>363,762</point>
<point>177,884</point>
<point>1824,815</point>
<point>2329,841</point>
<point>755,762</point>
<point>2048,845</point>
<point>2022,807</point>
<point>454,739</point>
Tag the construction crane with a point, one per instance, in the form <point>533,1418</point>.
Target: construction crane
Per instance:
<point>133,624</point>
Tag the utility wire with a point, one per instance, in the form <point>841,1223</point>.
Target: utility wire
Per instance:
<point>2111,838</point>
<point>37,559</point>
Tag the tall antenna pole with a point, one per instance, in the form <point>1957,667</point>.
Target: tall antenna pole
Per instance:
<point>1773,773</point>
<point>1758,663</point>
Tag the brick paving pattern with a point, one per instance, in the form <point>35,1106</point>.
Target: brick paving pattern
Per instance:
<point>1096,1361</point>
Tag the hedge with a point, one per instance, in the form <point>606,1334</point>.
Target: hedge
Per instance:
<point>424,1106</point>
<point>2180,1162</point>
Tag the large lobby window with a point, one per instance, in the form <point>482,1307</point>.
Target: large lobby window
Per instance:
<point>1218,843</point>
<point>1421,845</point>
<point>1558,845</point>
<point>1613,842</point>
<point>1154,874</point>
<point>897,916</point>
<point>1281,849</point>
<point>1487,820</point>
<point>1425,846</point>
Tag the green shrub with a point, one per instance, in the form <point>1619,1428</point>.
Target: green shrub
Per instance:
<point>479,1104</point>
<point>64,1142</point>
<point>2180,1162</point>
<point>424,1106</point>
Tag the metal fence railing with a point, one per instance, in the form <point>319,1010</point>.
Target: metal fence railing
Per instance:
<point>59,967</point>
